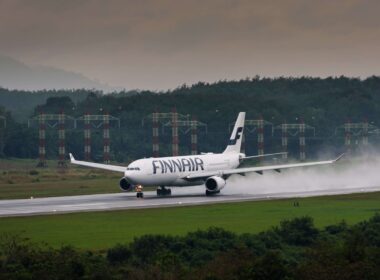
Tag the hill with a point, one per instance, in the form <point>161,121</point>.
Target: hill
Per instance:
<point>17,75</point>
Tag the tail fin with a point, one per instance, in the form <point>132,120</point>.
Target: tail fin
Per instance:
<point>236,136</point>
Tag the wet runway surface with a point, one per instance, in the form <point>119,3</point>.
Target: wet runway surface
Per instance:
<point>117,201</point>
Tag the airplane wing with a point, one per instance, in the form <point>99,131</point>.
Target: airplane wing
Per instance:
<point>97,165</point>
<point>264,155</point>
<point>258,169</point>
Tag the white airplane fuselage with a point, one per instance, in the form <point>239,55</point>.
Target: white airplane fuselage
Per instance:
<point>170,171</point>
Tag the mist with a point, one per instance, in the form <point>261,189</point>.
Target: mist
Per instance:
<point>350,174</point>
<point>339,176</point>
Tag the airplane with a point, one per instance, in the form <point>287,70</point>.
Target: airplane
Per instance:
<point>208,169</point>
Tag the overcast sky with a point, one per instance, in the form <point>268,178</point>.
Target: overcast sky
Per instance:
<point>151,44</point>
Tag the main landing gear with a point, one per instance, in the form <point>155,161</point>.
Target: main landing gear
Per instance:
<point>162,191</point>
<point>208,193</point>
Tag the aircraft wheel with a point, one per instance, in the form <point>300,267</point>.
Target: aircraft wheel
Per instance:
<point>162,191</point>
<point>208,193</point>
<point>167,192</point>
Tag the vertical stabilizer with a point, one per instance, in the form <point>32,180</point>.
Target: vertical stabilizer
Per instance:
<point>234,144</point>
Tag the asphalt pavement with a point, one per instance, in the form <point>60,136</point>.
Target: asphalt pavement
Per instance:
<point>117,201</point>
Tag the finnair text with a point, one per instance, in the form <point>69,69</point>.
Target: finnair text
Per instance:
<point>177,165</point>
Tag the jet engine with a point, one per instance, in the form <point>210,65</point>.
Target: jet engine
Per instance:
<point>125,185</point>
<point>214,184</point>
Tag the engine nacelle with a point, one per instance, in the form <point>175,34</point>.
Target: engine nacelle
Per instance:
<point>215,184</point>
<point>125,185</point>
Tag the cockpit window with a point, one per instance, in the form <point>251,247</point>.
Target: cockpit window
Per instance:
<point>133,168</point>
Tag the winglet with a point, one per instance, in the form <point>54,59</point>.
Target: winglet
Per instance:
<point>339,157</point>
<point>71,157</point>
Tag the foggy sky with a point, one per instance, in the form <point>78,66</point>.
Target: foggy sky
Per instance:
<point>151,44</point>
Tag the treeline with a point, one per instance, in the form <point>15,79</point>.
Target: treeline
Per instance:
<point>295,249</point>
<point>322,103</point>
<point>22,103</point>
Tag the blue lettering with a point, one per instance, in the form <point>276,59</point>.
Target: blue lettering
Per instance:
<point>237,136</point>
<point>177,164</point>
<point>192,164</point>
<point>186,163</point>
<point>155,166</point>
<point>199,162</point>
<point>168,165</point>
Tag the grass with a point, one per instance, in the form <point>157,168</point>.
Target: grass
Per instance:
<point>21,179</point>
<point>100,230</point>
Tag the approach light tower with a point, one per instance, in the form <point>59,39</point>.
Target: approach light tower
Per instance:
<point>106,138</point>
<point>158,119</point>
<point>175,140</point>
<point>194,136</point>
<point>55,121</point>
<point>302,142</point>
<point>284,140</point>
<point>289,130</point>
<point>96,122</point>
<point>41,140</point>
<point>155,138</point>
<point>354,132</point>
<point>189,126</point>
<point>87,137</point>
<point>61,139</point>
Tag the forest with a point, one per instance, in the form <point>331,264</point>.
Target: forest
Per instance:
<point>295,249</point>
<point>322,103</point>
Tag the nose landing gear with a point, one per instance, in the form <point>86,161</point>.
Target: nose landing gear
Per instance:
<point>139,191</point>
<point>162,191</point>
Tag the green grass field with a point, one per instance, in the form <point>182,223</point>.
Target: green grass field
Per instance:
<point>21,179</point>
<point>100,230</point>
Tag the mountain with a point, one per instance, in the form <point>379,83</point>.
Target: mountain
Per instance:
<point>17,75</point>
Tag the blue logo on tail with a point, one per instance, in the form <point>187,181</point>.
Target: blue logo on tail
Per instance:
<point>237,136</point>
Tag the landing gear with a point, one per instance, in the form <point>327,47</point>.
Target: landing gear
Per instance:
<point>208,193</point>
<point>162,191</point>
<point>139,192</point>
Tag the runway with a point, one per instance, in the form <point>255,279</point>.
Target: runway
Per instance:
<point>118,201</point>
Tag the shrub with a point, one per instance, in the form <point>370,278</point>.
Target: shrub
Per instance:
<point>118,254</point>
